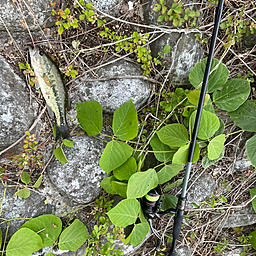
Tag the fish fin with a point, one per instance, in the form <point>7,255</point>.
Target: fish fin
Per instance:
<point>50,112</point>
<point>62,131</point>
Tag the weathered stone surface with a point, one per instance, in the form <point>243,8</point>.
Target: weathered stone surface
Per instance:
<point>80,178</point>
<point>107,6</point>
<point>249,41</point>
<point>240,218</point>
<point>234,252</point>
<point>110,91</point>
<point>12,12</point>
<point>181,250</point>
<point>17,207</point>
<point>204,187</point>
<point>16,115</point>
<point>189,52</point>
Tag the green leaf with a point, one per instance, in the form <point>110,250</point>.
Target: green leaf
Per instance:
<point>73,236</point>
<point>168,172</point>
<point>174,135</point>
<point>157,7</point>
<point>142,216</point>
<point>48,227</point>
<point>23,243</point>
<point>252,194</point>
<point>216,79</point>
<point>125,121</point>
<point>141,182</point>
<point>160,18</point>
<point>38,182</point>
<point>251,150</point>
<point>24,193</point>
<point>209,124</point>
<point>253,239</point>
<point>114,155</point>
<point>50,254</point>
<point>106,184</point>
<point>25,177</point>
<point>124,213</point>
<point>234,93</point>
<point>193,97</point>
<point>206,162</point>
<point>59,154</point>
<point>215,147</point>
<point>60,30</point>
<point>169,202</point>
<point>22,66</point>
<point>173,185</point>
<point>221,128</point>
<point>125,171</point>
<point>245,116</point>
<point>68,143</point>
<point>89,115</point>
<point>138,234</point>
<point>120,188</point>
<point>167,49</point>
<point>165,153</point>
<point>181,156</point>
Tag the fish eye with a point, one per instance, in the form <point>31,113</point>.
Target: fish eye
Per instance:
<point>41,53</point>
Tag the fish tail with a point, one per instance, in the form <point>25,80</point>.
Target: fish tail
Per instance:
<point>62,131</point>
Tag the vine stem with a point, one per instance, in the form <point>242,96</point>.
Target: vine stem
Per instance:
<point>5,237</point>
<point>165,30</point>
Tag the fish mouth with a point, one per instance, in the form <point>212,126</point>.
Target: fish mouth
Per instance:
<point>32,52</point>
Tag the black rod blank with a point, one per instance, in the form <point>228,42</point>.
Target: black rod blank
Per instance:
<point>182,199</point>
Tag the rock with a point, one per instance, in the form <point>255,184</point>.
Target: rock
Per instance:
<point>181,250</point>
<point>242,165</point>
<point>16,113</point>
<point>110,7</point>
<point>249,41</point>
<point>240,218</point>
<point>189,52</point>
<point>80,178</point>
<point>113,92</point>
<point>15,13</point>
<point>235,252</point>
<point>204,187</point>
<point>17,207</point>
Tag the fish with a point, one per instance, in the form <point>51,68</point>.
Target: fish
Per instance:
<point>52,85</point>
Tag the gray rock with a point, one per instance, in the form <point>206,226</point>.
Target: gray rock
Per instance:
<point>12,12</point>
<point>240,218</point>
<point>242,165</point>
<point>180,250</point>
<point>183,251</point>
<point>16,114</point>
<point>17,207</point>
<point>204,187</point>
<point>189,52</point>
<point>249,41</point>
<point>113,92</point>
<point>235,252</point>
<point>80,178</point>
<point>107,6</point>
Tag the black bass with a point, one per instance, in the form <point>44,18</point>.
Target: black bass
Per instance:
<point>52,86</point>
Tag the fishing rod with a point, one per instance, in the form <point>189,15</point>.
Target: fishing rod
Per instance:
<point>182,198</point>
<point>150,202</point>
